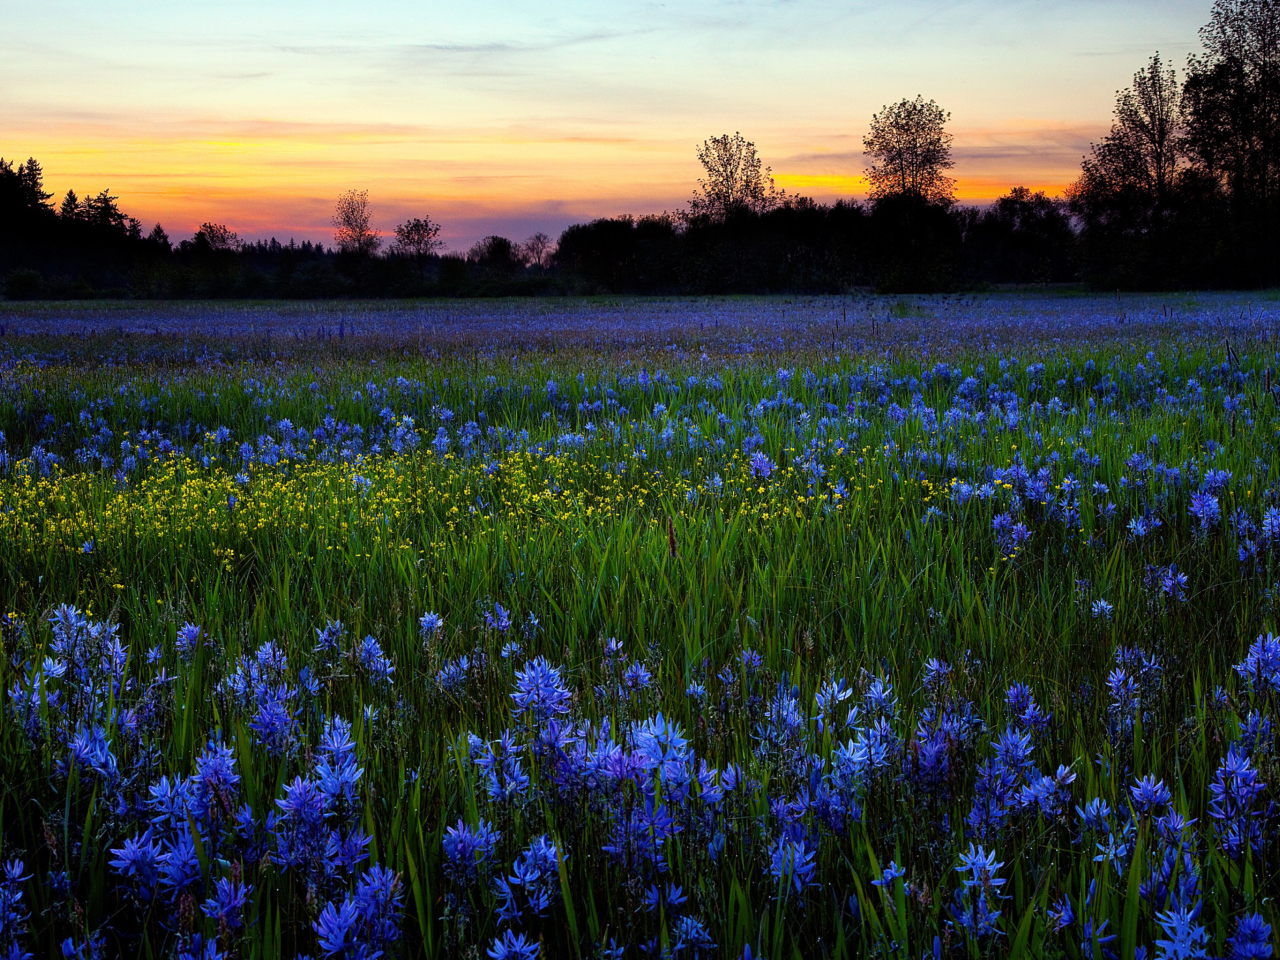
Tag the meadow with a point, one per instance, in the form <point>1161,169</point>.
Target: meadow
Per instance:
<point>734,628</point>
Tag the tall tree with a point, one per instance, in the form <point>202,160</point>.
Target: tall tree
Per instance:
<point>1232,99</point>
<point>417,239</point>
<point>1132,173</point>
<point>31,177</point>
<point>70,207</point>
<point>735,181</point>
<point>909,149</point>
<point>352,220</point>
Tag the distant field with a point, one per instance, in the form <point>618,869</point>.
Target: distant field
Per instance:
<point>826,325</point>
<point>814,627</point>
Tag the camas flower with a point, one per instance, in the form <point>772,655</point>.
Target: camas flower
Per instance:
<point>226,906</point>
<point>468,851</point>
<point>1186,938</point>
<point>513,946</point>
<point>429,624</point>
<point>890,873</point>
<point>188,641</point>
<point>791,864</point>
<point>1150,794</point>
<point>1252,940</point>
<point>373,661</point>
<point>540,691</point>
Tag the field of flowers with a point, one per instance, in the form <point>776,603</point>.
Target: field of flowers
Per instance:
<point>771,628</point>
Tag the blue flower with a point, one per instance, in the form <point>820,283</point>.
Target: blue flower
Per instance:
<point>138,861</point>
<point>429,625</point>
<point>226,906</point>
<point>540,691</point>
<point>329,637</point>
<point>1260,669</point>
<point>1150,794</point>
<point>791,864</point>
<point>337,929</point>
<point>378,898</point>
<point>468,851</point>
<point>13,912</point>
<point>891,873</point>
<point>374,662</point>
<point>1252,940</point>
<point>188,641</point>
<point>513,946</point>
<point>499,619</point>
<point>1187,939</point>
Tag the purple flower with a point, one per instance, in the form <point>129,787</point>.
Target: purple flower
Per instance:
<point>1260,668</point>
<point>1204,507</point>
<point>499,619</point>
<point>1186,937</point>
<point>378,897</point>
<point>1150,794</point>
<point>138,861</point>
<point>761,466</point>
<point>374,662</point>
<point>336,929</point>
<point>1174,583</point>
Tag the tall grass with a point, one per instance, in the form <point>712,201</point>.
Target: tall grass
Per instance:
<point>854,557</point>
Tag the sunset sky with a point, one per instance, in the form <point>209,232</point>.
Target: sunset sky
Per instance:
<point>506,117</point>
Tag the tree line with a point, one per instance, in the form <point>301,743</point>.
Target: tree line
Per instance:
<point>1183,191</point>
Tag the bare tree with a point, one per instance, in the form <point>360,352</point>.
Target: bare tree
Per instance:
<point>909,149</point>
<point>537,250</point>
<point>417,239</point>
<point>734,182</point>
<point>351,217</point>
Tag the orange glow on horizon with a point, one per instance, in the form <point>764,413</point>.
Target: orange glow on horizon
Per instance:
<point>268,178</point>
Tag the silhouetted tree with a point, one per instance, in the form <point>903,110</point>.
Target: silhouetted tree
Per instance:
<point>537,251</point>
<point>621,255</point>
<point>101,210</point>
<point>31,182</point>
<point>23,199</point>
<point>417,239</point>
<point>494,257</point>
<point>735,182</point>
<point>1023,237</point>
<point>217,237</point>
<point>1231,108</point>
<point>70,207</point>
<point>1231,98</point>
<point>909,149</point>
<point>353,232</point>
<point>1126,191</point>
<point>159,238</point>
<point>1133,170</point>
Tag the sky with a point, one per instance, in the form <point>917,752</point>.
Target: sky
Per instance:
<point>513,117</point>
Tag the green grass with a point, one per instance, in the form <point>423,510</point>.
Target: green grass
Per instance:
<point>857,586</point>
